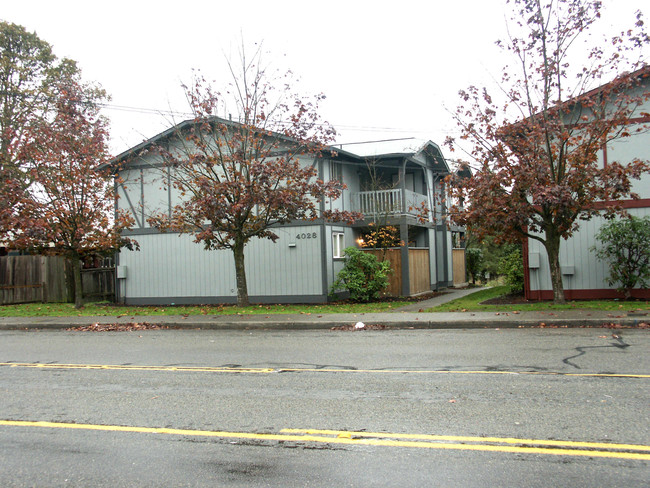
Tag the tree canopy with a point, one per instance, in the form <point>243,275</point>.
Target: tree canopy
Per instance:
<point>240,179</point>
<point>29,72</point>
<point>70,212</point>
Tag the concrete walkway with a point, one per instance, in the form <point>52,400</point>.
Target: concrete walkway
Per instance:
<point>445,296</point>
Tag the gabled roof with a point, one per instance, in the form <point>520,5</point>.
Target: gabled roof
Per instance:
<point>624,80</point>
<point>135,150</point>
<point>428,154</point>
<point>642,74</point>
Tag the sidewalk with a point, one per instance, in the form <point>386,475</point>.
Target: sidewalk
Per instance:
<point>445,296</point>
<point>403,318</point>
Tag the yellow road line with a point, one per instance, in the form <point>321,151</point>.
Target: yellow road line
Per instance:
<point>337,440</point>
<point>208,369</point>
<point>501,440</point>
<point>444,371</point>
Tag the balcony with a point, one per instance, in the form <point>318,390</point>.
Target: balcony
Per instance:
<point>390,203</point>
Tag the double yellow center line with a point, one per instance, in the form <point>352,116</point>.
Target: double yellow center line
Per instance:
<point>219,369</point>
<point>382,439</point>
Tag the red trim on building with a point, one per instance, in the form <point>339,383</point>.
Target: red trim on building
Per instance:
<point>597,294</point>
<point>638,120</point>
<point>639,203</point>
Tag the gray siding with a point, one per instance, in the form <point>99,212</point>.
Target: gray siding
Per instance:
<point>589,272</point>
<point>169,265</point>
<point>433,258</point>
<point>624,150</point>
<point>350,179</point>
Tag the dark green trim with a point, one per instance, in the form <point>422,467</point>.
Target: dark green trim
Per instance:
<point>216,300</point>
<point>299,223</point>
<point>324,238</point>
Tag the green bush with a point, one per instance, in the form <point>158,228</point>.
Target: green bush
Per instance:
<point>626,246</point>
<point>474,263</point>
<point>363,276</point>
<point>512,267</point>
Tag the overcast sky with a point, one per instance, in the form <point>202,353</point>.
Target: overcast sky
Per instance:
<point>389,69</point>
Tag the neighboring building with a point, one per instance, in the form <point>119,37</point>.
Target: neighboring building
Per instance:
<point>388,189</point>
<point>584,275</point>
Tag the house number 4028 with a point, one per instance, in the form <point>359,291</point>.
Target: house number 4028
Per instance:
<point>308,235</point>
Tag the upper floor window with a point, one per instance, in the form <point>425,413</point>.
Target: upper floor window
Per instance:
<point>336,171</point>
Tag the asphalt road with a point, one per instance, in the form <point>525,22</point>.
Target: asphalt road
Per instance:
<point>522,407</point>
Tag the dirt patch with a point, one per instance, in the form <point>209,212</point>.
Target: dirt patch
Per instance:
<point>414,299</point>
<point>519,298</point>
<point>510,299</point>
<point>127,327</point>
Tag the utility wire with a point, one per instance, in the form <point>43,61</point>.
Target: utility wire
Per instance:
<point>152,111</point>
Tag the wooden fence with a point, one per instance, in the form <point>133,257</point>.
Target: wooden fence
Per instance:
<point>419,274</point>
<point>27,279</point>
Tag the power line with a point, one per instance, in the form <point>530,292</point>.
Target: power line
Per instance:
<point>152,111</point>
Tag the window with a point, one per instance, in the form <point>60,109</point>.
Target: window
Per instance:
<point>336,172</point>
<point>338,244</point>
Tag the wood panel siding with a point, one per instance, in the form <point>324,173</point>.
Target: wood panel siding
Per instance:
<point>458,259</point>
<point>419,277</point>
<point>419,271</point>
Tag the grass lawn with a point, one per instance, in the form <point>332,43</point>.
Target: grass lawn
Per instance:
<point>104,309</point>
<point>472,303</point>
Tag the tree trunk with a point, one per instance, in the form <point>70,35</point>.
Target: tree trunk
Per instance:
<point>240,274</point>
<point>78,291</point>
<point>552,245</point>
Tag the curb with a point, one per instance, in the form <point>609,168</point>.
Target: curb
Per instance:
<point>515,323</point>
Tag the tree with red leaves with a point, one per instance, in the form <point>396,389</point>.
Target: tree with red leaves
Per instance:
<point>538,150</point>
<point>241,179</point>
<point>71,210</point>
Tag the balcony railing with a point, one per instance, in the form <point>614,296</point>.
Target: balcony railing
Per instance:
<point>389,203</point>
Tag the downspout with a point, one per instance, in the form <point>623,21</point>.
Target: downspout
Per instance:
<point>116,256</point>
<point>323,238</point>
<point>445,232</point>
<point>434,220</point>
<point>404,236</point>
